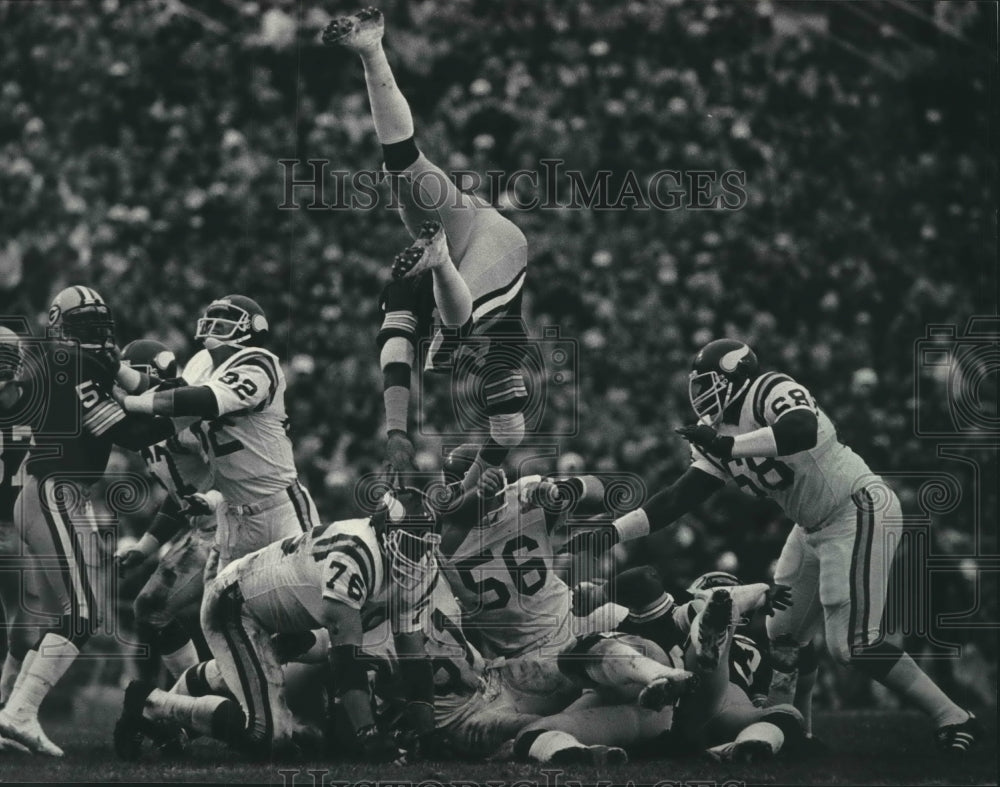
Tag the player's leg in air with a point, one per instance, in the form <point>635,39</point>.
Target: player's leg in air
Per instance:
<point>631,688</point>
<point>855,554</point>
<point>477,258</point>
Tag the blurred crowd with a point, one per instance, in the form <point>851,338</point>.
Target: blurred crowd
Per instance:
<point>139,150</point>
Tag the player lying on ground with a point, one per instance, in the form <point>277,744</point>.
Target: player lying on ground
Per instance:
<point>322,578</point>
<point>468,262</point>
<point>480,705</point>
<point>65,395</point>
<point>719,714</point>
<point>766,432</point>
<point>170,601</point>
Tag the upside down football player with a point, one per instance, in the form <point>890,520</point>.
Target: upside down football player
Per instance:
<point>468,262</point>
<point>766,432</point>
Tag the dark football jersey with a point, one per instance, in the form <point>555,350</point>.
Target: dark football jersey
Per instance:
<point>14,439</point>
<point>749,666</point>
<point>74,413</point>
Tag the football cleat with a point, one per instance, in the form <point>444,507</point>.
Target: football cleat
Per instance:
<point>429,250</point>
<point>359,32</point>
<point>596,755</point>
<point>743,752</point>
<point>29,733</point>
<point>712,629</point>
<point>959,738</point>
<point>666,689</point>
<point>132,728</point>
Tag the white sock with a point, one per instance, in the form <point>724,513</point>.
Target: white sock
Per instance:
<point>212,677</point>
<point>194,713</point>
<point>54,657</point>
<point>11,671</point>
<point>618,664</point>
<point>182,658</point>
<point>911,682</point>
<point>549,743</point>
<point>763,731</point>
<point>390,110</point>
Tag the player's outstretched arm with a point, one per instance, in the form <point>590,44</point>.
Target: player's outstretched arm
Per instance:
<point>667,506</point>
<point>135,433</point>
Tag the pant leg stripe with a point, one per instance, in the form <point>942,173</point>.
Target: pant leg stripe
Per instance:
<point>305,503</point>
<point>79,553</point>
<point>870,625</point>
<point>852,625</point>
<point>54,513</point>
<point>230,609</point>
<point>254,685</point>
<point>297,505</point>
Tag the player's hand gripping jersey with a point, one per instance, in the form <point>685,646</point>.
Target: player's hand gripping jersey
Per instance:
<point>248,441</point>
<point>810,486</point>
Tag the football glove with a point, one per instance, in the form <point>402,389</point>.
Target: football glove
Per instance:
<point>400,453</point>
<point>708,440</point>
<point>128,561</point>
<point>492,482</point>
<point>778,597</point>
<point>109,358</point>
<point>202,503</point>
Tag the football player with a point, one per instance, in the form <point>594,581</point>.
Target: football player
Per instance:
<point>479,705</point>
<point>766,432</point>
<point>700,634</point>
<point>235,391</point>
<point>468,262</point>
<point>323,578</point>
<point>18,587</point>
<point>171,598</point>
<point>66,394</point>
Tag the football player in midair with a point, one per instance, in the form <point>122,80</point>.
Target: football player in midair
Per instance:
<point>467,261</point>
<point>235,390</point>
<point>171,598</point>
<point>65,393</point>
<point>766,432</point>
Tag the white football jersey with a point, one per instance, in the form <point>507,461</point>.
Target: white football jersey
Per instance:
<point>811,486</point>
<point>503,577</point>
<point>286,583</point>
<point>248,442</point>
<point>179,464</point>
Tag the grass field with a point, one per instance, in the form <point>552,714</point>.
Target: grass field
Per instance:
<point>877,748</point>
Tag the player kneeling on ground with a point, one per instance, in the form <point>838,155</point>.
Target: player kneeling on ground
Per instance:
<point>322,578</point>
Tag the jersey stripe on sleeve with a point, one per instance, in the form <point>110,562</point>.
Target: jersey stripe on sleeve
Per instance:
<point>764,387</point>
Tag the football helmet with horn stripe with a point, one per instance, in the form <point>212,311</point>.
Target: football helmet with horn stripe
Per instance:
<point>722,371</point>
